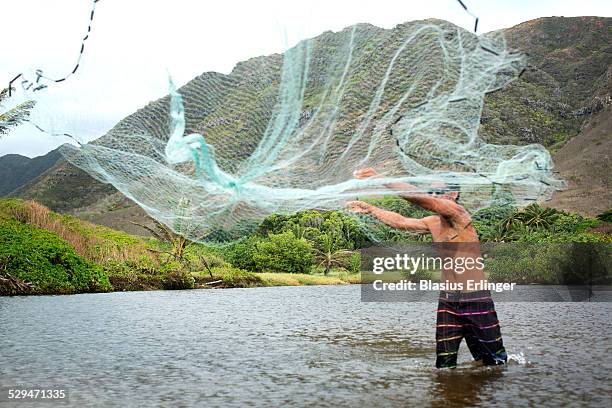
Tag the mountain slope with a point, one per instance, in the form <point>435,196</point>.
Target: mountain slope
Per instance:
<point>64,188</point>
<point>17,170</point>
<point>585,163</point>
<point>567,80</point>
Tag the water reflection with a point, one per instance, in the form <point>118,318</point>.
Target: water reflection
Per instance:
<point>464,386</point>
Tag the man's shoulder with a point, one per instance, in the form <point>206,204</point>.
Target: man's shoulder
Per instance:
<point>463,213</point>
<point>432,220</point>
<point>459,215</point>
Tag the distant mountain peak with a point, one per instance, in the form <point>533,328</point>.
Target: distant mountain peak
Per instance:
<point>17,170</point>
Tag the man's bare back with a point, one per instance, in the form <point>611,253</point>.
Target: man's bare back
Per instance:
<point>452,224</point>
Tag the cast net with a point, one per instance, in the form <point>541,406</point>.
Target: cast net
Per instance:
<point>285,133</point>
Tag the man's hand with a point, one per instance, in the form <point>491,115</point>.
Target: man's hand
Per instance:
<point>394,220</point>
<point>368,172</point>
<point>358,207</point>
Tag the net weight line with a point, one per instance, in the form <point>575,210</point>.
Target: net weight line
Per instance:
<point>37,85</point>
<point>54,134</point>
<point>27,84</point>
<point>470,13</point>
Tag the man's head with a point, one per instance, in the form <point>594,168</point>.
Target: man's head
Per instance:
<point>452,195</point>
<point>447,192</point>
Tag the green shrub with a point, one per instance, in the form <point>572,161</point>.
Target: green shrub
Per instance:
<point>177,279</point>
<point>42,258</point>
<point>113,267</point>
<point>171,266</point>
<point>536,224</point>
<point>418,275</point>
<point>283,253</point>
<point>213,261</point>
<point>239,230</point>
<point>563,237</point>
<point>143,264</point>
<point>571,222</point>
<point>605,216</point>
<point>355,263</point>
<point>524,264</point>
<point>535,217</point>
<point>237,278</point>
<point>127,275</point>
<point>313,225</point>
<point>486,221</point>
<point>241,253</point>
<point>550,263</point>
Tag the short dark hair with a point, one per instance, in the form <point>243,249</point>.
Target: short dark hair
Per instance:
<point>449,188</point>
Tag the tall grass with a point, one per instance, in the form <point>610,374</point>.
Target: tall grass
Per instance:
<point>98,248</point>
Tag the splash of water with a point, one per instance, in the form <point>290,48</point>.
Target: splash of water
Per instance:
<point>518,358</point>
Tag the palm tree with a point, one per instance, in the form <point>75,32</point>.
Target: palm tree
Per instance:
<point>503,233</point>
<point>14,116</point>
<point>510,221</point>
<point>531,218</point>
<point>535,217</point>
<point>178,243</point>
<point>298,230</point>
<point>328,255</point>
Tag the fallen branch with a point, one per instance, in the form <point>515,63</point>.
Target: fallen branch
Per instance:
<point>213,282</point>
<point>18,285</point>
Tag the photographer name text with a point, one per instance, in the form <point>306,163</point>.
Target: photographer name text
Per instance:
<point>426,285</point>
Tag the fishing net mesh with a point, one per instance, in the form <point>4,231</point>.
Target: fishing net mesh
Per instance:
<point>285,133</point>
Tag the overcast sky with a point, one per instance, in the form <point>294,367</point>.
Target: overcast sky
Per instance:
<point>134,44</point>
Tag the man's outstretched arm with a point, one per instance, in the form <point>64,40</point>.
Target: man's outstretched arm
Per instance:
<point>394,220</point>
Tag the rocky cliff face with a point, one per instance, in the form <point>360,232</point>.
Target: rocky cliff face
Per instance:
<point>585,162</point>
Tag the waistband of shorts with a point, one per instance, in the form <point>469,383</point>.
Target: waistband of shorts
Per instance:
<point>482,295</point>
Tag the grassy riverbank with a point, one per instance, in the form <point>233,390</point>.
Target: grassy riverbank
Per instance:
<point>236,278</point>
<point>42,252</point>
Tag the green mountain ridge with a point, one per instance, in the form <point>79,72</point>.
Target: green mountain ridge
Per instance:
<point>567,82</point>
<point>17,170</point>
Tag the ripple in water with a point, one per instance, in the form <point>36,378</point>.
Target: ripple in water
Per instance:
<point>294,346</point>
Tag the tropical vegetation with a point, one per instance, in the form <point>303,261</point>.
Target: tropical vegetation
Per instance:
<point>45,252</point>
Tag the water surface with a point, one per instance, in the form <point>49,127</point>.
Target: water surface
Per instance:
<point>293,346</point>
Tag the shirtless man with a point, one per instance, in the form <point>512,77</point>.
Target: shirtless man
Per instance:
<point>469,314</point>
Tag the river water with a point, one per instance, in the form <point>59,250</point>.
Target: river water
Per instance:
<point>293,346</point>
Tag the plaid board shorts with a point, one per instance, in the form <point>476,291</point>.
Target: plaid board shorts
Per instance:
<point>469,315</point>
